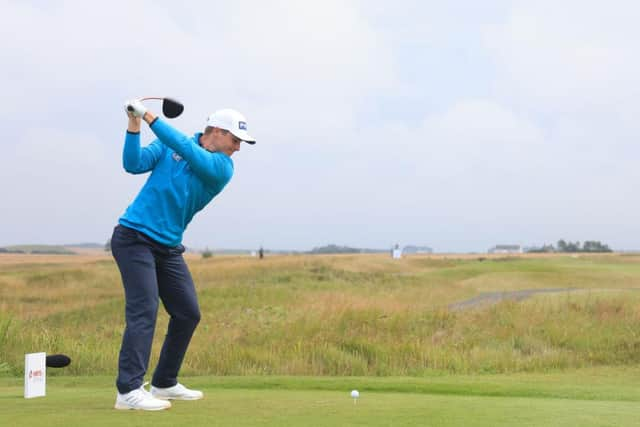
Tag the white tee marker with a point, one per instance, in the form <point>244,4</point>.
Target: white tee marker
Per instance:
<point>35,373</point>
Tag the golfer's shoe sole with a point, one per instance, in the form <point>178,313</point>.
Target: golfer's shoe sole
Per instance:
<point>155,396</point>
<point>177,392</point>
<point>126,407</point>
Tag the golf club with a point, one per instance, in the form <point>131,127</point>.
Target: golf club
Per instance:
<point>170,107</point>
<point>58,361</point>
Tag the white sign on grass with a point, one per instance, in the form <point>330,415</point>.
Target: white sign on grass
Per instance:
<point>35,372</point>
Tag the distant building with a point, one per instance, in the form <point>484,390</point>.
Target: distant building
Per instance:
<point>396,252</point>
<point>506,249</point>
<point>411,249</point>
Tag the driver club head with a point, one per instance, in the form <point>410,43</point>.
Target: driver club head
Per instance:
<point>171,108</point>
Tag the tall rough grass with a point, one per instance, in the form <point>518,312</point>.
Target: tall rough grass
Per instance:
<point>341,315</point>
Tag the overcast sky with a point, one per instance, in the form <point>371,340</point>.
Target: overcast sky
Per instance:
<point>457,125</point>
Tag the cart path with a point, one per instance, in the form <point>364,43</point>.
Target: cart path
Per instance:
<point>491,298</point>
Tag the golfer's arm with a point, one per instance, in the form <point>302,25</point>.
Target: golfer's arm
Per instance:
<point>149,117</point>
<point>215,169</point>
<point>136,159</point>
<point>134,124</point>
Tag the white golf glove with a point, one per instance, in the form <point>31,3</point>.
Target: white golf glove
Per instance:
<point>135,106</point>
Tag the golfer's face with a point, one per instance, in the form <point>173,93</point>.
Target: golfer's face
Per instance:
<point>230,143</point>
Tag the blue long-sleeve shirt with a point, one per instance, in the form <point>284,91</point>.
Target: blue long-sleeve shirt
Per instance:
<point>184,178</point>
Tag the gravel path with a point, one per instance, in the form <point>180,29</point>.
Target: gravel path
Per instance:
<point>490,298</point>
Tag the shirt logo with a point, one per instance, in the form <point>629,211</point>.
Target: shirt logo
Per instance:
<point>242,125</point>
<point>176,157</point>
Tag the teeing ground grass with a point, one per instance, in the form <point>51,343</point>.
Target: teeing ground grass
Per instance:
<point>603,397</point>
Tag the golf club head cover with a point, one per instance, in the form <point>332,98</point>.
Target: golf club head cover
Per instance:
<point>57,361</point>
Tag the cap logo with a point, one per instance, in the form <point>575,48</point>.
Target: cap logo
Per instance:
<point>242,125</point>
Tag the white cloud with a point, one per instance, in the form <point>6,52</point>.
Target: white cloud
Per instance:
<point>314,59</point>
<point>62,186</point>
<point>569,56</point>
<point>449,125</point>
<point>295,70</point>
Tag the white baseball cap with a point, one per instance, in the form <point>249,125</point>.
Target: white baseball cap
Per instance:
<point>232,121</point>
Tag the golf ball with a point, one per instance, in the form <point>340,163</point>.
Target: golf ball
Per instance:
<point>355,394</point>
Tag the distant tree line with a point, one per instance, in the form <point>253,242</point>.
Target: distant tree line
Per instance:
<point>564,246</point>
<point>336,249</point>
<point>40,250</point>
<point>11,251</point>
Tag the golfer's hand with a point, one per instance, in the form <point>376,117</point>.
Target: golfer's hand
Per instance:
<point>135,107</point>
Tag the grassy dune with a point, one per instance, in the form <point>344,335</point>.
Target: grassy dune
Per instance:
<point>356,315</point>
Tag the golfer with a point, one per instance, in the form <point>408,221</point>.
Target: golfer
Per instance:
<point>186,173</point>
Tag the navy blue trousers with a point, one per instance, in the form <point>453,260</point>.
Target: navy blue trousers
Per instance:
<point>151,271</point>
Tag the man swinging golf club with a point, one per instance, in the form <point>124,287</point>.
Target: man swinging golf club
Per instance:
<point>186,173</point>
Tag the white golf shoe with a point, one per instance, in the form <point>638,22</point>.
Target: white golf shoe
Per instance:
<point>177,392</point>
<point>141,399</point>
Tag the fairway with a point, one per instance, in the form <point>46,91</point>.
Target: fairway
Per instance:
<point>569,399</point>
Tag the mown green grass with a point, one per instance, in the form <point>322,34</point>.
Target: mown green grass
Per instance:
<point>608,397</point>
<point>356,315</point>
